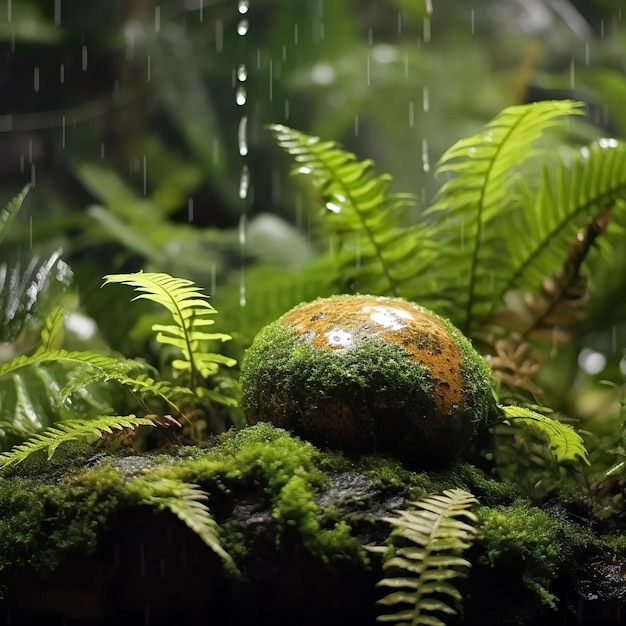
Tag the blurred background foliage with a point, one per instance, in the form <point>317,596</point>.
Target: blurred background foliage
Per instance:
<point>126,119</point>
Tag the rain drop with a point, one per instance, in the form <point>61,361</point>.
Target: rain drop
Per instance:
<point>157,19</point>
<point>242,138</point>
<point>242,27</point>
<point>84,59</point>
<point>425,99</point>
<point>36,79</point>
<point>425,159</point>
<point>242,73</point>
<point>62,73</point>
<point>244,183</point>
<point>190,210</point>
<point>244,6</point>
<point>241,96</point>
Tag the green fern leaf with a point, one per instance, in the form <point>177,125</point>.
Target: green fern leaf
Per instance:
<point>551,217</point>
<point>433,534</point>
<point>470,206</point>
<point>359,213</point>
<point>8,213</point>
<point>190,312</point>
<point>52,330</point>
<point>186,501</point>
<point>565,443</point>
<point>71,430</point>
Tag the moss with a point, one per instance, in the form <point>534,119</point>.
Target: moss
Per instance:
<point>524,537</point>
<point>40,523</point>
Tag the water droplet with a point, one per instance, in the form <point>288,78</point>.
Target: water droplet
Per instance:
<point>242,73</point>
<point>426,99</point>
<point>242,27</point>
<point>244,182</point>
<point>244,6</point>
<point>428,4</point>
<point>84,59</point>
<point>242,136</point>
<point>426,29</point>
<point>425,159</point>
<point>190,210</point>
<point>157,19</point>
<point>62,73</point>
<point>241,95</point>
<point>36,79</point>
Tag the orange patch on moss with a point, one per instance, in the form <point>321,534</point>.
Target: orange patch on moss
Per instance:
<point>341,324</point>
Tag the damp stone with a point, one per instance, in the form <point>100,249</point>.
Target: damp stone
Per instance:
<point>367,374</point>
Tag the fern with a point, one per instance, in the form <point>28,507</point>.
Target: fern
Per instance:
<point>71,430</point>
<point>8,213</point>
<point>566,200</point>
<point>470,207</point>
<point>437,530</point>
<point>186,501</point>
<point>565,443</point>
<point>360,213</point>
<point>190,313</point>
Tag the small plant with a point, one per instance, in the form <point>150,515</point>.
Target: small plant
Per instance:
<point>429,538</point>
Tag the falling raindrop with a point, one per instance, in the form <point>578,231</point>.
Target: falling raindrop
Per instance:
<point>190,210</point>
<point>425,99</point>
<point>241,95</point>
<point>244,183</point>
<point>244,6</point>
<point>425,159</point>
<point>84,59</point>
<point>157,19</point>
<point>242,73</point>
<point>36,79</point>
<point>242,27</point>
<point>243,141</point>
<point>62,73</point>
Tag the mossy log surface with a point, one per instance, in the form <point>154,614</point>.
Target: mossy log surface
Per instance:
<point>79,548</point>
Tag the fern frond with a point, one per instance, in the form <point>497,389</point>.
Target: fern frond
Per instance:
<point>52,329</point>
<point>565,443</point>
<point>434,531</point>
<point>190,313</point>
<point>187,502</point>
<point>566,201</point>
<point>104,367</point>
<point>359,212</point>
<point>8,213</point>
<point>470,206</point>
<point>71,430</point>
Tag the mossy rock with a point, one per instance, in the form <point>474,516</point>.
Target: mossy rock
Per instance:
<point>368,374</point>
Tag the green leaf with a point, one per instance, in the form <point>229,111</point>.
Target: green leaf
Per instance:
<point>8,213</point>
<point>470,207</point>
<point>187,502</point>
<point>190,313</point>
<point>565,443</point>
<point>71,430</point>
<point>436,535</point>
<point>360,215</point>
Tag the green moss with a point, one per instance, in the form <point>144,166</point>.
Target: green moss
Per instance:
<point>526,537</point>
